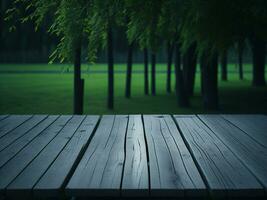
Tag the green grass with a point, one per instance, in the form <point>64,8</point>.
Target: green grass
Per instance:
<point>52,93</point>
<point>93,67</point>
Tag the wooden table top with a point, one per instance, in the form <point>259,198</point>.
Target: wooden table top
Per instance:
<point>185,156</point>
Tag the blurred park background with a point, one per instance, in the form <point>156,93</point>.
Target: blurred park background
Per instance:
<point>29,85</point>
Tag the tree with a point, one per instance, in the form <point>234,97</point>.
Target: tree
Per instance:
<point>129,70</point>
<point>78,83</point>
<point>146,82</point>
<point>256,17</point>
<point>110,66</point>
<point>68,23</point>
<point>189,67</point>
<point>168,25</point>
<point>197,20</point>
<point>258,56</point>
<point>142,28</point>
<point>240,49</point>
<point>170,19</point>
<point>206,23</point>
<point>209,81</point>
<point>153,74</point>
<point>224,65</point>
<point>129,65</point>
<point>169,66</point>
<point>182,96</point>
<point>105,15</point>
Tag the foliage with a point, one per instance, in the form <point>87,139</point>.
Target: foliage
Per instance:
<point>104,13</point>
<point>217,25</point>
<point>69,18</point>
<point>170,20</point>
<point>143,22</point>
<point>214,25</point>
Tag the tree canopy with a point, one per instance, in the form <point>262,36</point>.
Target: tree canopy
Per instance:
<point>215,25</point>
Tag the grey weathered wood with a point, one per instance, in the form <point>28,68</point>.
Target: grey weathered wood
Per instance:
<point>55,178</point>
<point>172,169</point>
<point>20,131</point>
<point>226,175</point>
<point>135,176</point>
<point>15,147</point>
<point>3,117</point>
<point>251,152</point>
<point>15,166</point>
<point>11,122</point>
<point>25,181</point>
<point>253,125</point>
<point>100,171</point>
<point>229,152</point>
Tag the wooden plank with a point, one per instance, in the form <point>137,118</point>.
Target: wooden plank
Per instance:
<point>172,169</point>
<point>100,171</point>
<point>57,175</point>
<point>135,176</point>
<point>15,147</point>
<point>250,151</point>
<point>253,125</point>
<point>14,167</point>
<point>20,131</point>
<point>3,117</point>
<point>22,185</point>
<point>10,123</point>
<point>225,174</point>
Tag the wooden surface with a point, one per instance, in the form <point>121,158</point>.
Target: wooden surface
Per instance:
<point>226,175</point>
<point>135,180</point>
<point>181,156</point>
<point>172,170</point>
<point>102,164</point>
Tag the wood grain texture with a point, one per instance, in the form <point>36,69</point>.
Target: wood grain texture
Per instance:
<point>15,147</point>
<point>135,176</point>
<point>100,171</point>
<point>12,122</point>
<point>226,175</point>
<point>3,117</point>
<point>250,151</point>
<point>253,125</point>
<point>16,165</point>
<point>20,131</point>
<point>133,156</point>
<point>22,185</point>
<point>172,170</point>
<point>51,183</point>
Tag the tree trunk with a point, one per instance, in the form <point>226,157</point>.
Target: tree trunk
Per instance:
<point>224,66</point>
<point>153,74</point>
<point>202,63</point>
<point>110,69</point>
<point>240,61</point>
<point>146,83</point>
<point>2,8</point>
<point>258,53</point>
<point>189,68</point>
<point>182,97</point>
<point>169,66</point>
<point>209,70</point>
<point>78,84</point>
<point>129,71</point>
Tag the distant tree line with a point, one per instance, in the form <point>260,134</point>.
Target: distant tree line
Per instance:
<point>192,30</point>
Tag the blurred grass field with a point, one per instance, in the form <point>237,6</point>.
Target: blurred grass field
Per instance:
<point>52,93</point>
<point>94,67</point>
